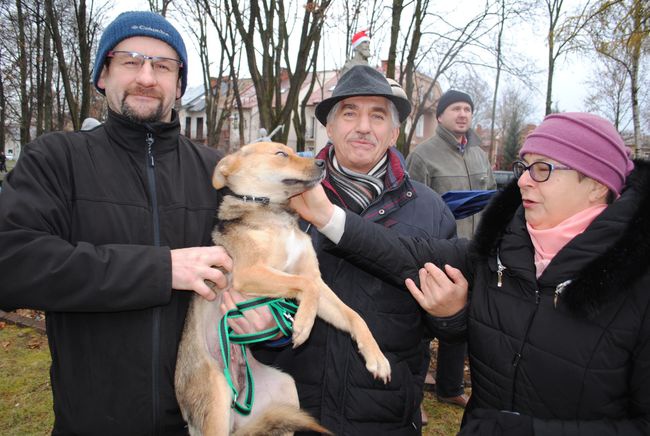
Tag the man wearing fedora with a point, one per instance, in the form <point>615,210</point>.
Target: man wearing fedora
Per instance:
<point>365,175</point>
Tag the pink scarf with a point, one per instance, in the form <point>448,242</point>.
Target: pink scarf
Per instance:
<point>549,242</point>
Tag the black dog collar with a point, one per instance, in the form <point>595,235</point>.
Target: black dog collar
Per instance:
<point>246,198</point>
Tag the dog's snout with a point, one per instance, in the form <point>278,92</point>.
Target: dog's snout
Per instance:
<point>320,163</point>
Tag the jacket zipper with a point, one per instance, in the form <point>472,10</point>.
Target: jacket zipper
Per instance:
<point>155,333</point>
<point>558,291</point>
<point>500,268</point>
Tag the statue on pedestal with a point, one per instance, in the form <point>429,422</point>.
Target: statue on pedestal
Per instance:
<point>361,51</point>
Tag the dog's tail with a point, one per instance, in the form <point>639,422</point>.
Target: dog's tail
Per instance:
<point>280,419</point>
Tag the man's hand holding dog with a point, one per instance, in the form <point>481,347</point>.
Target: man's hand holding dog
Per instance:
<point>192,267</point>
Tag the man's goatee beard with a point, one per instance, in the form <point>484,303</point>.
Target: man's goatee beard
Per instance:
<point>132,115</point>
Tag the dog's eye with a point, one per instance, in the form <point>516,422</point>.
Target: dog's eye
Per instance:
<point>281,153</point>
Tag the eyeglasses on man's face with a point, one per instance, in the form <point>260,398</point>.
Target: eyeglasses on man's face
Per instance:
<point>133,61</point>
<point>539,171</point>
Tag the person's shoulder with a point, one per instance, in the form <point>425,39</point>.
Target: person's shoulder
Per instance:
<point>203,150</point>
<point>51,142</point>
<point>425,193</point>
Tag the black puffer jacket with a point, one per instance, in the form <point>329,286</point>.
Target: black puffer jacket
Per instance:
<point>333,383</point>
<point>574,355</point>
<point>87,221</point>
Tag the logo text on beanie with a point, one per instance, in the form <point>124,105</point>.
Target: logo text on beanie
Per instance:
<point>149,29</point>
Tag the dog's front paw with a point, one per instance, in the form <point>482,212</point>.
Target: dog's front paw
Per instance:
<point>301,332</point>
<point>379,367</point>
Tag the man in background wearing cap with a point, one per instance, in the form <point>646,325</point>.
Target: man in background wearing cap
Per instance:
<point>93,229</point>
<point>452,160</point>
<point>365,176</point>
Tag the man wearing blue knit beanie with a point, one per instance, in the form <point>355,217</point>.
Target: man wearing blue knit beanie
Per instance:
<point>107,229</point>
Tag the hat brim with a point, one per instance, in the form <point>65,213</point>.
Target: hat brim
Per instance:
<point>324,107</point>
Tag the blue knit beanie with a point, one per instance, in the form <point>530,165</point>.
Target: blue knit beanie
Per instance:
<point>139,23</point>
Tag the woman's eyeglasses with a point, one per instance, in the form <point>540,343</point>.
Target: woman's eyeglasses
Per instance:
<point>539,171</point>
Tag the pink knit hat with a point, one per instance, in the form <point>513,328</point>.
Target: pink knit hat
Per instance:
<point>585,142</point>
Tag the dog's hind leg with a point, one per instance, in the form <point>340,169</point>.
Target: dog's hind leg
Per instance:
<point>276,411</point>
<point>272,386</point>
<point>218,413</point>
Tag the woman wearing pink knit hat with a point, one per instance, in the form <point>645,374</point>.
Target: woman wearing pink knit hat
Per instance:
<point>557,316</point>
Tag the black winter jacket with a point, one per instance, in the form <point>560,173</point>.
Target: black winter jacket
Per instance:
<point>571,350</point>
<point>333,382</point>
<point>87,221</point>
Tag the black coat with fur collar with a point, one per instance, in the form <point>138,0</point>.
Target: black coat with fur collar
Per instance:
<point>570,349</point>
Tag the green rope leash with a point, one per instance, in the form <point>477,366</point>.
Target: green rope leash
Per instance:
<point>282,311</point>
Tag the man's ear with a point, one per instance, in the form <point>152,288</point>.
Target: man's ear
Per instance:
<point>178,88</point>
<point>395,135</point>
<point>102,78</point>
<point>224,168</point>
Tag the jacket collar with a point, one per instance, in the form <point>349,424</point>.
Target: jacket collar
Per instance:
<point>452,141</point>
<point>395,173</point>
<point>132,136</point>
<point>396,185</point>
<point>619,240</point>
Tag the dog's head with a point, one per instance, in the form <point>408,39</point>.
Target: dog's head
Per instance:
<point>268,169</point>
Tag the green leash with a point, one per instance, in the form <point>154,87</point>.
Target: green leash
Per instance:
<point>282,311</point>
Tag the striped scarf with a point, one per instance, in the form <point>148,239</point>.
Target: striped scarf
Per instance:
<point>358,190</point>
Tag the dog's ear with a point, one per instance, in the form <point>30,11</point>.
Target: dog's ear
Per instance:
<point>224,168</point>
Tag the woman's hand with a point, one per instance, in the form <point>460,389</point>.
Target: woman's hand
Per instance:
<point>443,294</point>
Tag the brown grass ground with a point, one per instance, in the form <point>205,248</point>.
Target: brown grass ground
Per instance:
<point>26,400</point>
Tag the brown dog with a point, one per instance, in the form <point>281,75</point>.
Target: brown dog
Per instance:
<point>271,257</point>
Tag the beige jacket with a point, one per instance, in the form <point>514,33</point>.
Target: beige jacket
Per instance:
<point>438,164</point>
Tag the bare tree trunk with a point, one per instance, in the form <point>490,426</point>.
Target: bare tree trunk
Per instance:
<point>48,65</point>
<point>493,151</point>
<point>41,84</point>
<point>636,42</point>
<point>25,119</point>
<point>398,6</point>
<point>554,8</point>
<point>85,62</point>
<point>159,7</point>
<point>3,110</point>
<point>53,24</point>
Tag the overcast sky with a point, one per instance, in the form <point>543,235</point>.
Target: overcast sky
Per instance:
<point>570,88</point>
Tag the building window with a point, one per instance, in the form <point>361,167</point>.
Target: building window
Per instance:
<point>309,128</point>
<point>199,128</point>
<point>419,128</point>
<point>188,127</point>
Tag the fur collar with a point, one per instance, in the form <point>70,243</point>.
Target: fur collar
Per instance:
<point>606,276</point>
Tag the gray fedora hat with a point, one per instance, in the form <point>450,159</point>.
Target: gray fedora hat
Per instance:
<point>362,80</point>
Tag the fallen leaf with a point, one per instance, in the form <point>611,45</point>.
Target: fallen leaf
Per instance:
<point>34,343</point>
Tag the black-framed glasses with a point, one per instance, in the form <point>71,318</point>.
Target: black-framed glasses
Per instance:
<point>133,61</point>
<point>539,171</point>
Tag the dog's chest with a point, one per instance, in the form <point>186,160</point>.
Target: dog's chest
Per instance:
<point>296,245</point>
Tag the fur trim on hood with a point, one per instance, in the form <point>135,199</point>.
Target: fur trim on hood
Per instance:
<point>603,279</point>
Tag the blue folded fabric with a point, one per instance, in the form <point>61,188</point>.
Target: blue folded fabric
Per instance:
<point>466,203</point>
